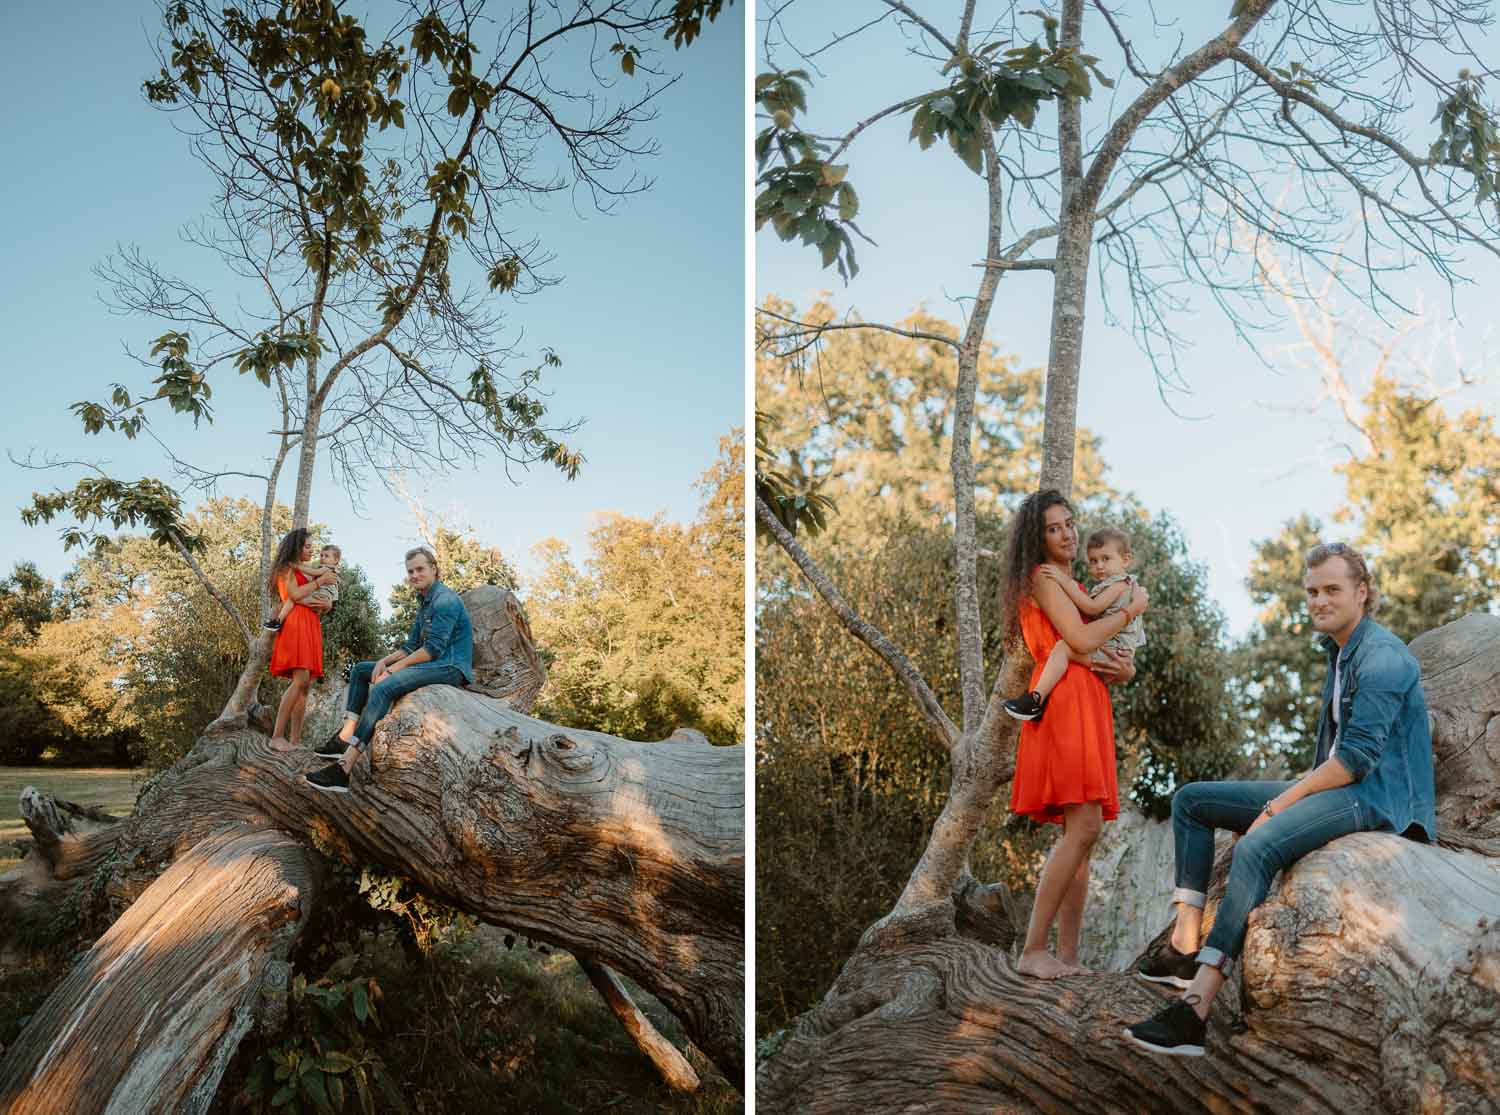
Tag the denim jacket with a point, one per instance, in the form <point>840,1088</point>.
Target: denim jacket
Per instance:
<point>1382,737</point>
<point>442,628</point>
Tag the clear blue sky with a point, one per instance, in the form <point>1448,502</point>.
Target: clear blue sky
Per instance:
<point>649,322</point>
<point>1241,465</point>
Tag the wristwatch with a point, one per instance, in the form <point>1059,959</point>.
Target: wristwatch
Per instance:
<point>1267,810</point>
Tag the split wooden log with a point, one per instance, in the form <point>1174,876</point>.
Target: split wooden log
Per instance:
<point>631,854</point>
<point>672,1065</point>
<point>1370,979</point>
<point>148,1020</point>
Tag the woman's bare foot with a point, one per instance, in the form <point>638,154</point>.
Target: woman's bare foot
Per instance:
<point>281,743</point>
<point>1041,964</point>
<point>1074,968</point>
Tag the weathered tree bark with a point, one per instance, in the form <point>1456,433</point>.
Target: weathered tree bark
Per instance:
<point>629,854</point>
<point>1370,979</point>
<point>148,1020</point>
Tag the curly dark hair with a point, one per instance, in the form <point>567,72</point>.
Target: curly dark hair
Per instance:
<point>289,552</point>
<point>1025,550</point>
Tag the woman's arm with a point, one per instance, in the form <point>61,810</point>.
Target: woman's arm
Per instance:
<point>1081,600</point>
<point>1084,638</point>
<point>295,592</point>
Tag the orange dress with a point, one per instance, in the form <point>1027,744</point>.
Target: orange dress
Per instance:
<point>1068,756</point>
<point>299,643</point>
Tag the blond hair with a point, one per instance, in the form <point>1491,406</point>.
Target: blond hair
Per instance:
<point>1354,561</point>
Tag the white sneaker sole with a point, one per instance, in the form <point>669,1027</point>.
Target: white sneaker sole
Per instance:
<point>1018,716</point>
<point>1175,981</point>
<point>327,789</point>
<point>1170,1051</point>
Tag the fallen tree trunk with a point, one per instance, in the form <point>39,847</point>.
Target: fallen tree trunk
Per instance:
<point>631,854</point>
<point>1370,979</point>
<point>148,1020</point>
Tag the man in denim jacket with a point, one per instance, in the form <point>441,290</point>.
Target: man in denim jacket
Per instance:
<point>439,650</point>
<point>1373,774</point>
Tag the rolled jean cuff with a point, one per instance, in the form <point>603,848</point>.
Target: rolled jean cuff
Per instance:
<point>1190,897</point>
<point>1214,959</point>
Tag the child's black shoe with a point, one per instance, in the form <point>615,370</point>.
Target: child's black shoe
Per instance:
<point>1029,707</point>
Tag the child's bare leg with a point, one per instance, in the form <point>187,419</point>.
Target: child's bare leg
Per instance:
<point>286,610</point>
<point>1057,666</point>
<point>1053,671</point>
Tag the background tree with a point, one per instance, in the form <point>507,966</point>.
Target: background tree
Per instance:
<point>648,635</point>
<point>344,229</point>
<point>28,600</point>
<point>1290,93</point>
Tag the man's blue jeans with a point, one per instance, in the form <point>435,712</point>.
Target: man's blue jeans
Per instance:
<point>1200,807</point>
<point>371,702</point>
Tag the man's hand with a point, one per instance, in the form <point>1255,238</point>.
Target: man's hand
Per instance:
<point>379,672</point>
<point>1120,666</point>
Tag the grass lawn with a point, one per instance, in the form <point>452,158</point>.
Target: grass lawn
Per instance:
<point>110,788</point>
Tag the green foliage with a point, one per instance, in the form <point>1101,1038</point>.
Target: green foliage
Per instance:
<point>1279,668</point>
<point>687,19</point>
<point>989,88</point>
<point>649,635</point>
<point>97,499</point>
<point>59,675</point>
<point>804,195</point>
<point>792,507</point>
<point>326,1059</point>
<point>1468,138</point>
<point>28,600</point>
<point>28,726</point>
<point>352,631</point>
<point>866,418</point>
<point>1426,498</point>
<point>428,922</point>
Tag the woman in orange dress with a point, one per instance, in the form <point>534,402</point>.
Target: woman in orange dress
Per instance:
<point>298,653</point>
<point>1065,761</point>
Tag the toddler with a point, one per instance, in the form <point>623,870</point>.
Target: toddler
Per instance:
<point>1108,551</point>
<point>330,559</point>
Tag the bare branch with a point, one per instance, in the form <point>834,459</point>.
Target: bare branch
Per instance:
<point>942,727</point>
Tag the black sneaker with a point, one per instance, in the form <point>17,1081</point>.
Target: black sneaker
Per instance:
<point>1175,1030</point>
<point>331,778</point>
<point>1029,707</point>
<point>272,624</point>
<point>333,749</point>
<point>1169,966</point>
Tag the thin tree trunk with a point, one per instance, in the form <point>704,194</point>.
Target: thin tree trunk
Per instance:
<point>1070,288</point>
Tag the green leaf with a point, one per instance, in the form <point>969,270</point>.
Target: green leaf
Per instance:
<point>361,1002</point>
<point>335,1062</point>
<point>848,202</point>
<point>312,1086</point>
